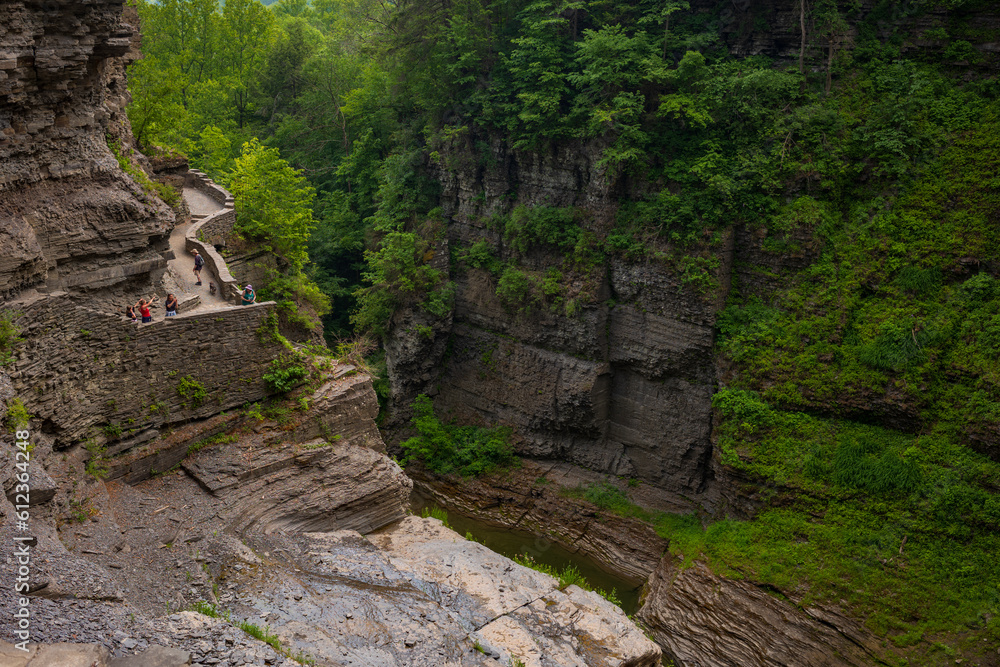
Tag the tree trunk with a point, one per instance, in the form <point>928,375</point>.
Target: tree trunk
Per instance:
<point>829,66</point>
<point>666,31</point>
<point>802,43</point>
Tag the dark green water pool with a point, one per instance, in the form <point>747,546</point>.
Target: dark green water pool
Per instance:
<point>512,543</point>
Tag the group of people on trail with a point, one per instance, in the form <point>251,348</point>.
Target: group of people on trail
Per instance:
<point>141,309</point>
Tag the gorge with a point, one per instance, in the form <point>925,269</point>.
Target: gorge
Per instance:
<point>707,294</point>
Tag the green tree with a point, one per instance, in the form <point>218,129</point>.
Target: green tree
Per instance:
<point>155,88</point>
<point>247,30</point>
<point>273,201</point>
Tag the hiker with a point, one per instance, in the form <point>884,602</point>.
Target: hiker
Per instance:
<point>199,262</point>
<point>171,305</point>
<point>130,313</point>
<point>143,306</point>
<point>248,295</point>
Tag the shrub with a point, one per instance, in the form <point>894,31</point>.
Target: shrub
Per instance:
<point>979,289</point>
<point>290,291</point>
<point>745,407</point>
<point>399,274</point>
<point>481,256</point>
<point>17,415</point>
<point>95,464</point>
<point>191,391</point>
<point>467,450</point>
<point>542,225</point>
<point>285,374</point>
<point>514,288</point>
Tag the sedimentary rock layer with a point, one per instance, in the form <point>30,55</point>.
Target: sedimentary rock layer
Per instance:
<point>702,619</point>
<point>69,216</point>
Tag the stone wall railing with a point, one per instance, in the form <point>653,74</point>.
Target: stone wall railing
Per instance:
<point>205,234</point>
<point>89,374</point>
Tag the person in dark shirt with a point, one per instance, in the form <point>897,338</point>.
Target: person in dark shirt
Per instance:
<point>171,305</point>
<point>248,296</point>
<point>199,262</point>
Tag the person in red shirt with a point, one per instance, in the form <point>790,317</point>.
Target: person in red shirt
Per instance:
<point>143,307</point>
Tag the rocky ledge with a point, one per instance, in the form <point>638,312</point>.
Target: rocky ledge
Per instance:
<point>701,619</point>
<point>258,528</point>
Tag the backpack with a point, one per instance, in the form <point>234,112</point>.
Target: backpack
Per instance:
<point>199,261</point>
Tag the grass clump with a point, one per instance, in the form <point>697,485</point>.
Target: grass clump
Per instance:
<point>263,634</point>
<point>436,513</point>
<point>568,575</point>
<point>220,439</point>
<point>469,451</point>
<point>10,336</point>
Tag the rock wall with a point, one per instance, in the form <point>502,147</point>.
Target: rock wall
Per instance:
<point>84,373</point>
<point>703,619</point>
<point>622,387</point>
<point>69,216</point>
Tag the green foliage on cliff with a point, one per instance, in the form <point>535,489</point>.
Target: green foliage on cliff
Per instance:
<point>17,415</point>
<point>149,186</point>
<point>192,391</point>
<point>469,451</point>
<point>10,336</point>
<point>285,373</point>
<point>861,333</point>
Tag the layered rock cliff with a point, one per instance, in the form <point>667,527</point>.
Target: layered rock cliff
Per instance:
<point>623,386</point>
<point>70,217</point>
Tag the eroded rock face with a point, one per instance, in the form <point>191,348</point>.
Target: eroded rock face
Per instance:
<point>68,213</point>
<point>621,386</point>
<point>703,620</point>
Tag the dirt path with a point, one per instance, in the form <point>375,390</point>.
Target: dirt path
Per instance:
<point>180,277</point>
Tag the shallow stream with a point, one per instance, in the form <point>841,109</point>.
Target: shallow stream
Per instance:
<point>510,543</point>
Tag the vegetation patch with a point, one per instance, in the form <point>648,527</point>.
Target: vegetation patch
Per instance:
<point>469,451</point>
<point>17,415</point>
<point>220,439</point>
<point>567,576</point>
<point>96,463</point>
<point>285,373</point>
<point>10,336</point>
<point>149,186</point>
<point>192,391</point>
